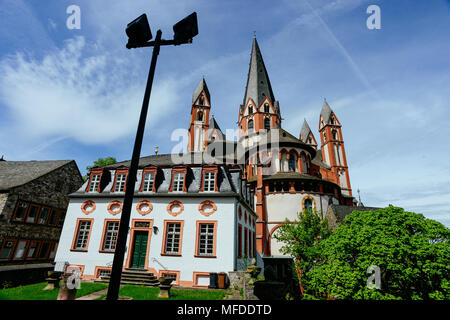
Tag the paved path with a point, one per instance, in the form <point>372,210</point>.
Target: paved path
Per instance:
<point>94,295</point>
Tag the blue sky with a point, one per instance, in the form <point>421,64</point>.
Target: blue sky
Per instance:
<point>76,94</point>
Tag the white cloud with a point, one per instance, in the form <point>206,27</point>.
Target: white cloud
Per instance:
<point>75,94</point>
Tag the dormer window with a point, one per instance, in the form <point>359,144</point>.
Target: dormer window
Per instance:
<point>149,180</point>
<point>178,181</point>
<point>95,182</point>
<point>120,181</point>
<point>209,181</point>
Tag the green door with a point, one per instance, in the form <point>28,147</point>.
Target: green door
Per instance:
<point>140,250</point>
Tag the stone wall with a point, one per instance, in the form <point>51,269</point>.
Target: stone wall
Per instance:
<point>3,198</point>
<point>44,190</point>
<point>242,282</point>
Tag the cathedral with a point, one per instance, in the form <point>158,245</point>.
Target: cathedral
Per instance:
<point>286,173</point>
<point>215,208</point>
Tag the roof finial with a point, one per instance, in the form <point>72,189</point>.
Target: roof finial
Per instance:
<point>156,150</point>
<point>254,33</point>
<point>359,198</point>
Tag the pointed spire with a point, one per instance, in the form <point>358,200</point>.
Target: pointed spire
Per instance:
<point>215,126</point>
<point>326,111</point>
<point>305,131</point>
<point>258,83</point>
<point>201,87</point>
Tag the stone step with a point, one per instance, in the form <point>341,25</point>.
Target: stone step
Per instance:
<point>136,283</point>
<point>135,277</point>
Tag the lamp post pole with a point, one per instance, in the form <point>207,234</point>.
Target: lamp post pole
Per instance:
<point>119,254</point>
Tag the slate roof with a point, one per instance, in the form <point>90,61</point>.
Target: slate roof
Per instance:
<point>214,125</point>
<point>169,160</point>
<point>226,178</point>
<point>200,87</point>
<point>287,139</point>
<point>318,160</point>
<point>305,131</point>
<point>258,83</point>
<point>17,173</point>
<point>326,111</point>
<point>341,211</point>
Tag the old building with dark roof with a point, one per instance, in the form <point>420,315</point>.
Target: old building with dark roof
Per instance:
<point>33,203</point>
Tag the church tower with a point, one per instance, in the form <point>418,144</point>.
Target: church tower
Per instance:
<point>199,123</point>
<point>260,110</point>
<point>333,152</point>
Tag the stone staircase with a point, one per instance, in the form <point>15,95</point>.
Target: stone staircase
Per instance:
<point>140,277</point>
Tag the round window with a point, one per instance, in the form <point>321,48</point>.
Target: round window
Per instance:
<point>115,207</point>
<point>88,207</point>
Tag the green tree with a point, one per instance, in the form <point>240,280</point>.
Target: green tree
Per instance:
<point>100,162</point>
<point>412,252</point>
<point>301,240</point>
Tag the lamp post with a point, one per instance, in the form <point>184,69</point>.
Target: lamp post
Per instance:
<point>139,34</point>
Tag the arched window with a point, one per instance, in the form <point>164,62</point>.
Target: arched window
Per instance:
<point>200,115</point>
<point>201,101</point>
<point>308,204</point>
<point>335,135</point>
<point>283,162</point>
<point>267,123</point>
<point>266,108</point>
<point>304,164</point>
<point>250,110</point>
<point>250,125</point>
<point>292,162</point>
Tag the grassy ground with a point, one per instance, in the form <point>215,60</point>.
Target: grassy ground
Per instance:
<point>151,293</point>
<point>35,292</point>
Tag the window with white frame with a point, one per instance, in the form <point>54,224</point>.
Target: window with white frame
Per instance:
<point>178,181</point>
<point>209,181</point>
<point>81,242</point>
<point>120,182</point>
<point>173,237</point>
<point>149,179</point>
<point>112,230</point>
<point>206,239</point>
<point>95,181</point>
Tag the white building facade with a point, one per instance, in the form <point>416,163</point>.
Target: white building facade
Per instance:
<point>187,220</point>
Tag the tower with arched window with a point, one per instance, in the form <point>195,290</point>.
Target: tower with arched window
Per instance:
<point>333,151</point>
<point>199,123</point>
<point>259,110</point>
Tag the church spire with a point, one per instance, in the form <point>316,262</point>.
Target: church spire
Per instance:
<point>258,83</point>
<point>201,88</point>
<point>307,136</point>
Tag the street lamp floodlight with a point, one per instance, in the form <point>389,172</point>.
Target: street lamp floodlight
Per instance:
<point>186,29</point>
<point>138,30</point>
<point>139,34</point>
